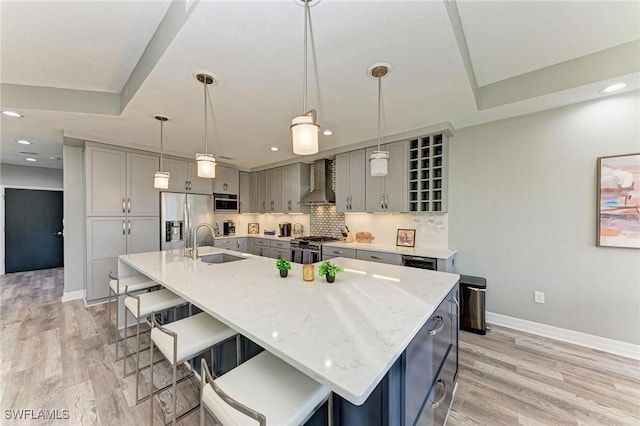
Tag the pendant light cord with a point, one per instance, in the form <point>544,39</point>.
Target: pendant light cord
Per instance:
<point>206,142</point>
<point>379,103</point>
<point>307,16</point>
<point>161,142</point>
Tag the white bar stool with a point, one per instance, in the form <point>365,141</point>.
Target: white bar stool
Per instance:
<point>183,340</point>
<point>116,288</point>
<point>263,389</point>
<point>141,306</point>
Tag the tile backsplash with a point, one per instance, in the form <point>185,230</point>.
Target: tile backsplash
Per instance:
<point>326,221</point>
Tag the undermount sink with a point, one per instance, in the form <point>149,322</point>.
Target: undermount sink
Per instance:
<point>220,258</point>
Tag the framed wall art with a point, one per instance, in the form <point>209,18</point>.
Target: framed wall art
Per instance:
<point>619,201</point>
<point>406,238</point>
<point>253,229</point>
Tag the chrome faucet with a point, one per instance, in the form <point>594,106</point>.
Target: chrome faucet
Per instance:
<point>194,249</point>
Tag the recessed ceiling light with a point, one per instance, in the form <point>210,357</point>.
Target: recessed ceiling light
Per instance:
<point>274,148</point>
<point>328,132</point>
<point>12,114</point>
<point>614,88</point>
<point>23,142</point>
<point>30,159</point>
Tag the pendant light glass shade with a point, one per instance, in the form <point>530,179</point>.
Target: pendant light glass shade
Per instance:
<point>379,161</point>
<point>305,134</point>
<point>206,166</point>
<point>160,178</point>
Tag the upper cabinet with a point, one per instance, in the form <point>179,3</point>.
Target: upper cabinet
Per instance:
<point>428,173</point>
<point>120,183</point>
<point>244,197</point>
<point>389,193</point>
<point>184,177</point>
<point>295,184</point>
<point>350,181</point>
<point>274,190</point>
<point>261,182</point>
<point>226,180</point>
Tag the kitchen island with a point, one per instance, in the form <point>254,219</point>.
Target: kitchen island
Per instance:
<point>380,337</point>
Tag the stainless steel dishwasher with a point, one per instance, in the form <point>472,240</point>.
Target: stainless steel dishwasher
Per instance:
<point>430,263</point>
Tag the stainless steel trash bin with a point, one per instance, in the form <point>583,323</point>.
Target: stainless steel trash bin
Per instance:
<point>472,307</point>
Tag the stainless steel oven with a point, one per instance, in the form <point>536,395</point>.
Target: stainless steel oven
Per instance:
<point>308,249</point>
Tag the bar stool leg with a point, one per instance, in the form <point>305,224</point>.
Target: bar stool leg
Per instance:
<point>126,349</point>
<point>151,384</point>
<point>238,350</point>
<point>175,377</point>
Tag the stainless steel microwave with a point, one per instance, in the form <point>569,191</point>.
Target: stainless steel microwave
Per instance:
<point>225,203</point>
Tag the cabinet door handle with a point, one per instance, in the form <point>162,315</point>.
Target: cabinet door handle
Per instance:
<point>124,208</point>
<point>128,205</point>
<point>289,205</point>
<point>272,205</point>
<point>337,252</point>
<point>436,402</point>
<point>129,232</point>
<point>375,257</point>
<point>439,328</point>
<point>346,203</point>
<point>382,201</point>
<point>124,229</point>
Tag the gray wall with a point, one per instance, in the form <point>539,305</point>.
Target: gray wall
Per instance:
<point>522,213</point>
<point>74,219</point>
<point>26,176</point>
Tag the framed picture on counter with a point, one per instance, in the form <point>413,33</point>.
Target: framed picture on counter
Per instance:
<point>619,201</point>
<point>254,229</point>
<point>406,238</point>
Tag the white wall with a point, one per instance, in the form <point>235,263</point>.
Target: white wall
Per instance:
<point>523,214</point>
<point>13,176</point>
<point>74,220</point>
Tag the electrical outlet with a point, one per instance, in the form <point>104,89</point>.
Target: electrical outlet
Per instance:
<point>538,296</point>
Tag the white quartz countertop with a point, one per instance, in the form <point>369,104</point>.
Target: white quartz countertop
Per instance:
<point>345,335</point>
<point>388,248</point>
<point>268,237</point>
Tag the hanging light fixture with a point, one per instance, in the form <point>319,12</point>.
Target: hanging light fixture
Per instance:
<point>379,160</point>
<point>160,178</point>
<point>205,162</point>
<point>304,129</point>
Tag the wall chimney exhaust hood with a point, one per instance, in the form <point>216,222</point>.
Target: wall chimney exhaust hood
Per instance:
<point>322,191</point>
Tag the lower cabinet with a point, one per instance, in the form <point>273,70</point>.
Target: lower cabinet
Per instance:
<point>226,243</point>
<point>242,245</point>
<point>418,389</point>
<point>331,252</point>
<point>380,257</point>
<point>109,237</point>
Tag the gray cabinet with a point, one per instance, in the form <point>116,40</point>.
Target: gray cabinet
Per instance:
<point>244,197</point>
<point>428,173</point>
<point>226,180</point>
<point>109,237</point>
<point>389,193</point>
<point>380,257</point>
<point>295,184</point>
<point>226,243</point>
<point>120,183</point>
<point>184,177</point>
<point>331,252</point>
<point>242,245</point>
<point>261,184</point>
<point>274,190</point>
<point>350,179</point>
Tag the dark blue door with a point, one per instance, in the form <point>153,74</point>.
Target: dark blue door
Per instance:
<point>33,230</point>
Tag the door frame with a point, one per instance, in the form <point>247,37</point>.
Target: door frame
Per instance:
<point>2,196</point>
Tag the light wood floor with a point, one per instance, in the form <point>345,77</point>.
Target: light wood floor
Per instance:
<point>55,356</point>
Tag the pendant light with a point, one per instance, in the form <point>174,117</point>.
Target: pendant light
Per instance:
<point>160,178</point>
<point>205,162</point>
<point>379,160</point>
<point>304,129</point>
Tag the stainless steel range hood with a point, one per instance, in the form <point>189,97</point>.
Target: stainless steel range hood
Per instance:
<point>322,191</point>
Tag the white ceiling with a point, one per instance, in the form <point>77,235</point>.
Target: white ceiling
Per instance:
<point>255,49</point>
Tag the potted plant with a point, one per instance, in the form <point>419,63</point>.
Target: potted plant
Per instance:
<point>283,265</point>
<point>329,270</point>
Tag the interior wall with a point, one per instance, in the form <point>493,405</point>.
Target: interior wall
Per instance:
<point>74,219</point>
<point>523,215</point>
<point>26,177</point>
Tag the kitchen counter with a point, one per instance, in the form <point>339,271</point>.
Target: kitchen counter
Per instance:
<point>345,335</point>
<point>269,237</point>
<point>388,248</point>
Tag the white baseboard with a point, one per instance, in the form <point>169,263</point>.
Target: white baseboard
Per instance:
<point>616,347</point>
<point>73,295</point>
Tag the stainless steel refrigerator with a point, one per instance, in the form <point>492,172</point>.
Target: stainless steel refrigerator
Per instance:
<point>179,213</point>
